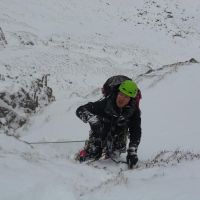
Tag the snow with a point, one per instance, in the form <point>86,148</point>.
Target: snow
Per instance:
<point>80,44</point>
<point>172,96</point>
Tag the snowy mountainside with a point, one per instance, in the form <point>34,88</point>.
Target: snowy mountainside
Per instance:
<point>77,45</point>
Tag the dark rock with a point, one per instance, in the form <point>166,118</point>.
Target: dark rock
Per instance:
<point>3,41</point>
<point>192,60</point>
<point>26,101</point>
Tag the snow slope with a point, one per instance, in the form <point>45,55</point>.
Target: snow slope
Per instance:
<point>80,44</point>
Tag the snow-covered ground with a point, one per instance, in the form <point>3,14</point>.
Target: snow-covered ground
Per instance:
<point>80,44</point>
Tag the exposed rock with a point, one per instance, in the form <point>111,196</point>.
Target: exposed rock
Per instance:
<point>2,77</point>
<point>159,74</point>
<point>25,102</point>
<point>3,41</point>
<point>193,60</point>
<point>10,120</point>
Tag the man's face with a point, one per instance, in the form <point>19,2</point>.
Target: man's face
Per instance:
<point>122,100</point>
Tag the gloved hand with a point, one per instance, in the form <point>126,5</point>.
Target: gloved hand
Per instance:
<point>87,116</point>
<point>132,158</point>
<point>121,121</point>
<point>94,120</point>
<point>97,120</point>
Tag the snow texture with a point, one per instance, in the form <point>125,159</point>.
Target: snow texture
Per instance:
<point>55,55</point>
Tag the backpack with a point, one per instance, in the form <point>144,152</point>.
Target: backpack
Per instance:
<point>112,84</point>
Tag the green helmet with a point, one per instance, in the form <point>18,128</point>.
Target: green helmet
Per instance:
<point>128,88</point>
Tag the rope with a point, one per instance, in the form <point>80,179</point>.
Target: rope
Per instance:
<point>55,142</point>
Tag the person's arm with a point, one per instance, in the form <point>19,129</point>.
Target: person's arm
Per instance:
<point>135,136</point>
<point>90,110</point>
<point>135,129</point>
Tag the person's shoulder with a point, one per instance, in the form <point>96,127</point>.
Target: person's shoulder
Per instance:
<point>101,101</point>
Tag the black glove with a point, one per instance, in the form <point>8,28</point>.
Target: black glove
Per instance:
<point>97,120</point>
<point>87,116</point>
<point>132,158</point>
<point>94,120</point>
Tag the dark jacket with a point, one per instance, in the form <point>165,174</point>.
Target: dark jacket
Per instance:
<point>109,115</point>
